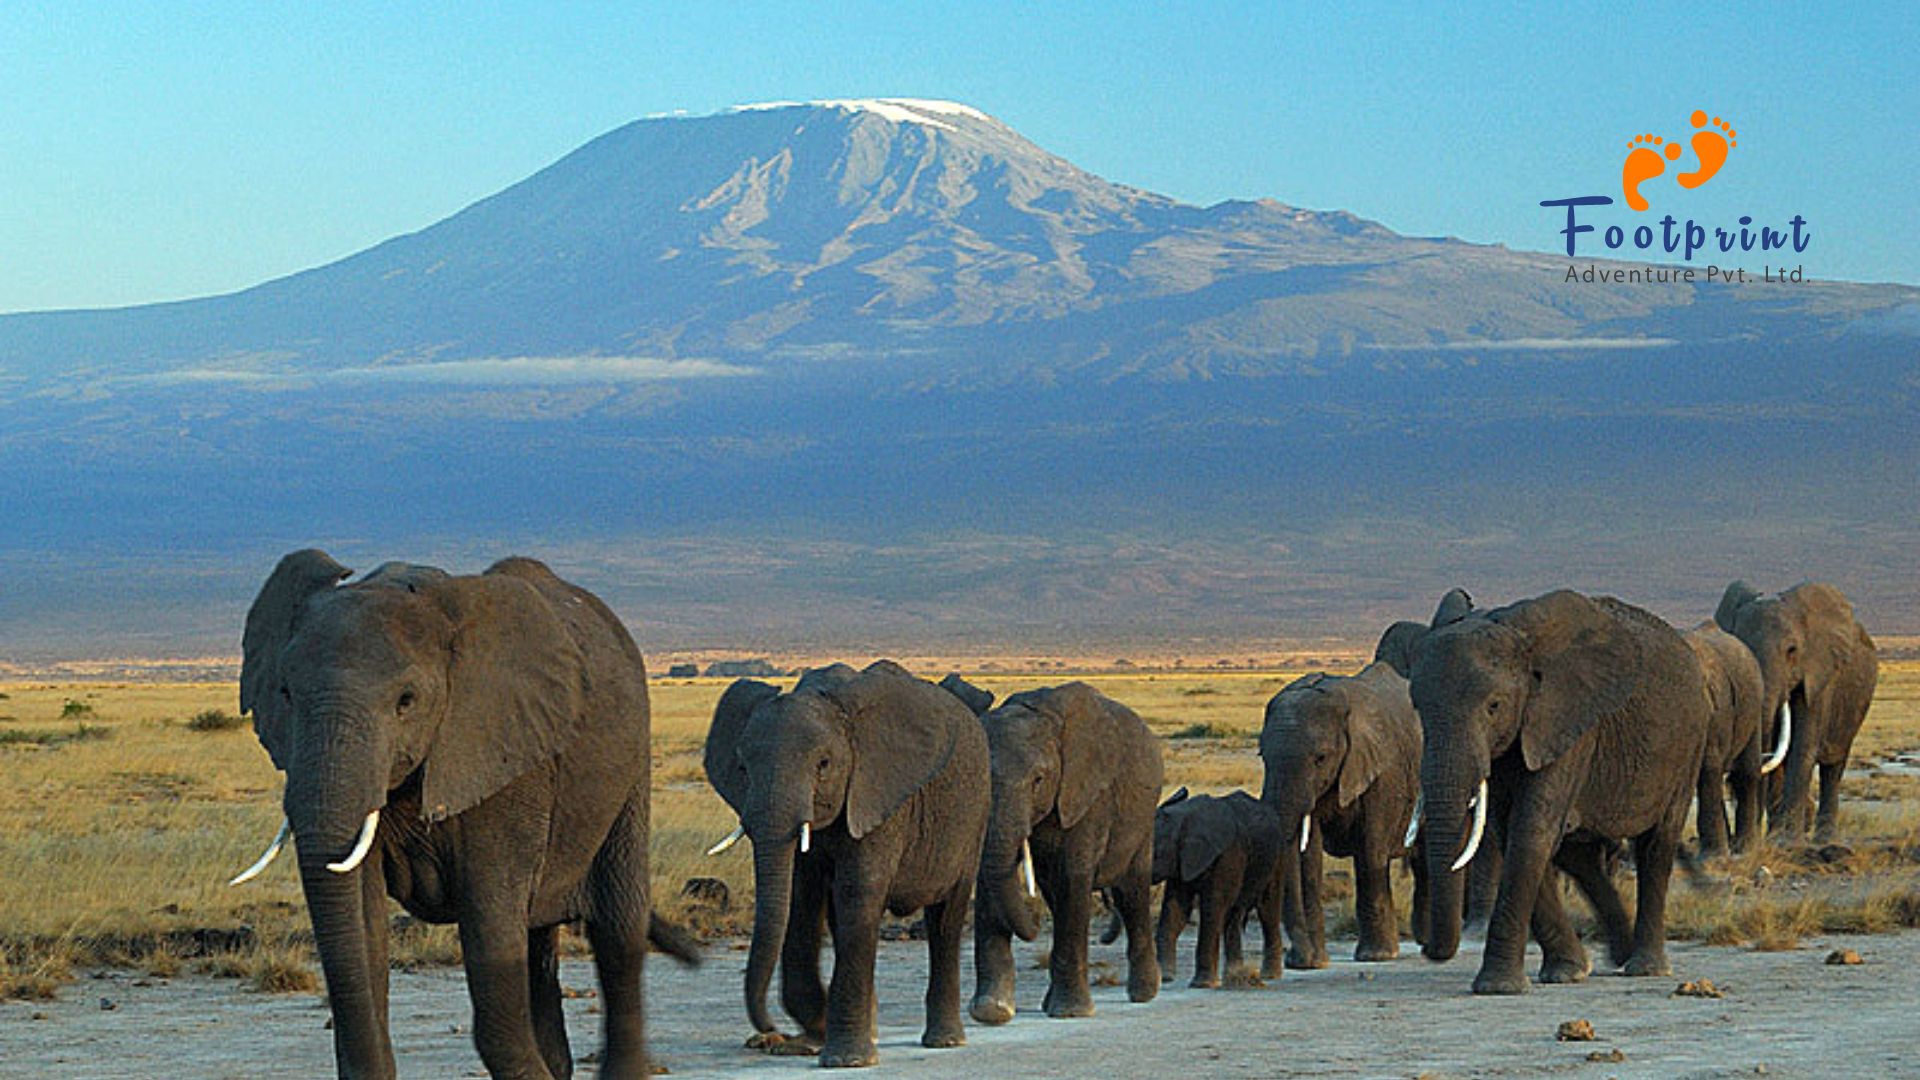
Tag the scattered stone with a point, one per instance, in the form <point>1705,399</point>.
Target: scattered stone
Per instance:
<point>1834,853</point>
<point>592,1057</point>
<point>1700,988</point>
<point>39,1016</point>
<point>1575,1031</point>
<point>658,1069</point>
<point>1844,958</point>
<point>1614,1056</point>
<point>764,1040</point>
<point>108,1004</point>
<point>572,994</point>
<point>143,982</point>
<point>328,1026</point>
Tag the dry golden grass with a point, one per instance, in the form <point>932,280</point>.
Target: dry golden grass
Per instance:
<point>116,845</point>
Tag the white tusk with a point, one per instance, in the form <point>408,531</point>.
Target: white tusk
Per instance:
<point>1026,868</point>
<point>806,837</point>
<point>731,839</point>
<point>1413,827</point>
<point>360,847</point>
<point>273,849</point>
<point>1306,832</point>
<point>1479,828</point>
<point>1779,752</point>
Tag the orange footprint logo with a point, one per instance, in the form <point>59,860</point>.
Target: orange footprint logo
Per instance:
<point>1644,163</point>
<point>1710,147</point>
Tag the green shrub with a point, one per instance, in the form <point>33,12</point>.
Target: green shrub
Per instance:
<point>214,720</point>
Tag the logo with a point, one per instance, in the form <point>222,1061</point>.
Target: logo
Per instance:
<point>1644,162</point>
<point>1714,142</point>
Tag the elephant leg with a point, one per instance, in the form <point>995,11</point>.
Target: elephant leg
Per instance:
<point>1828,819</point>
<point>1309,948</point>
<point>1532,832</point>
<point>1174,906</point>
<point>1072,903</point>
<point>617,925</point>
<point>1133,901</point>
<point>1484,875</point>
<point>1373,904</point>
<point>1711,820</point>
<point>543,989</point>
<point>493,942</point>
<point>1745,783</point>
<point>1213,917</point>
<point>1653,853</point>
<point>1421,917</point>
<point>373,914</point>
<point>1788,813</point>
<point>802,993</point>
<point>1563,959</point>
<point>1272,948</point>
<point>1586,863</point>
<point>1233,938</point>
<point>852,1039</point>
<point>946,924</point>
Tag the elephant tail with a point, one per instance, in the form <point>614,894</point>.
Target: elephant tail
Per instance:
<point>674,940</point>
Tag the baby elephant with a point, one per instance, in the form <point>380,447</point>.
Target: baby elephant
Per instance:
<point>1342,757</point>
<point>1221,851</point>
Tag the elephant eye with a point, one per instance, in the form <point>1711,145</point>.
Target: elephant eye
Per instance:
<point>824,762</point>
<point>286,694</point>
<point>406,701</point>
<point>1493,706</point>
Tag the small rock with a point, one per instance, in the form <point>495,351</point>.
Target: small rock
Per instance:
<point>1614,1056</point>
<point>1575,1031</point>
<point>592,1057</point>
<point>39,1016</point>
<point>1763,876</point>
<point>1701,988</point>
<point>1760,1069</point>
<point>108,1004</point>
<point>572,994</point>
<point>1844,957</point>
<point>658,1069</point>
<point>143,982</point>
<point>328,1026</point>
<point>1366,976</point>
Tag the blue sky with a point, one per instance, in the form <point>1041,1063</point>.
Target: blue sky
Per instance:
<point>152,152</point>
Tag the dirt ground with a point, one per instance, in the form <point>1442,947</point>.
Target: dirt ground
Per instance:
<point>1784,1014</point>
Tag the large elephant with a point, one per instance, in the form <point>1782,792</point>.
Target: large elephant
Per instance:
<point>477,748</point>
<point>1819,668</point>
<point>1734,755</point>
<point>863,794</point>
<point>1572,721</point>
<point>1342,761</point>
<point>1075,778</point>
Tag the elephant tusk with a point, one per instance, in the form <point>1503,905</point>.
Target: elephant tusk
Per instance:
<point>729,840</point>
<point>806,837</point>
<point>1413,827</point>
<point>1479,828</point>
<point>1779,753</point>
<point>360,847</point>
<point>273,849</point>
<point>1306,832</point>
<point>1026,868</point>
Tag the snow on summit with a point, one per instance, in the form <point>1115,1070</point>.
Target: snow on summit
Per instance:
<point>899,110</point>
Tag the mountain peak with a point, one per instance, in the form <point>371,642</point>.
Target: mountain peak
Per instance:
<point>926,111</point>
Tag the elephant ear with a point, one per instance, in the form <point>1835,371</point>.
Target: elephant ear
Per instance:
<point>722,759</point>
<point>1396,646</point>
<point>1454,606</point>
<point>973,697</point>
<point>1093,738</point>
<point>516,689</point>
<point>903,732</point>
<point>1368,747</point>
<point>1738,595</point>
<point>1202,836</point>
<point>1586,657</point>
<point>269,625</point>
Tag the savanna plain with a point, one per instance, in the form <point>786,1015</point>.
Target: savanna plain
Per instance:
<point>125,807</point>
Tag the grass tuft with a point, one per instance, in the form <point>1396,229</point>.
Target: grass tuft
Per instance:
<point>214,720</point>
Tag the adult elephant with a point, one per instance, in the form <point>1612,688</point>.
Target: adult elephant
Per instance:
<point>1342,764</point>
<point>477,748</point>
<point>1734,755</point>
<point>863,794</point>
<point>1572,720</point>
<point>1819,668</point>
<point>1075,779</point>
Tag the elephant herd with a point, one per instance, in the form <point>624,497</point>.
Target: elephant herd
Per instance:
<point>477,748</point>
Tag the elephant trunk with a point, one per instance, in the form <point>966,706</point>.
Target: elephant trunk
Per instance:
<point>335,904</point>
<point>1444,838</point>
<point>1003,879</point>
<point>772,897</point>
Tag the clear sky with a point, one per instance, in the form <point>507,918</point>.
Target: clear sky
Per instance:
<point>159,151</point>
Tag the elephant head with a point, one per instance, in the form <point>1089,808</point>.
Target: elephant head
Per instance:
<point>837,749</point>
<point>458,684</point>
<point>1055,751</point>
<point>1775,629</point>
<point>1541,674</point>
<point>1323,735</point>
<point>1191,833</point>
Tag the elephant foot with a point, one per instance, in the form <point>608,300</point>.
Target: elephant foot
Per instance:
<point>1272,967</point>
<point>1565,970</point>
<point>850,1053</point>
<point>1490,983</point>
<point>1144,986</point>
<point>988,1009</point>
<point>1376,952</point>
<point>1205,982</point>
<point>1067,1006</point>
<point>1303,960</point>
<point>1648,963</point>
<point>942,1036</point>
